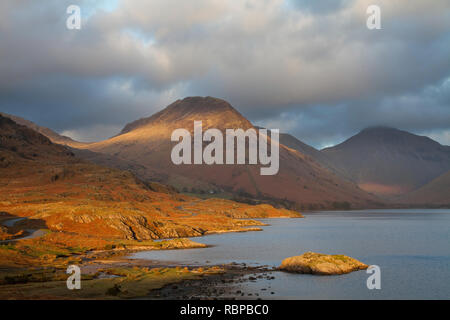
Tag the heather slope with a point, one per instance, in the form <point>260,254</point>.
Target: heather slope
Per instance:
<point>52,189</point>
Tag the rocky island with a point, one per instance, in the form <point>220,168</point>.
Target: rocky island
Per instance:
<point>321,264</point>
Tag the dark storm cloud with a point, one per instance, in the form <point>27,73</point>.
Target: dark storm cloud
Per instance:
<point>310,67</point>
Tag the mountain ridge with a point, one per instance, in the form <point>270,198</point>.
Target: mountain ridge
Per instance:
<point>141,147</point>
<point>49,133</point>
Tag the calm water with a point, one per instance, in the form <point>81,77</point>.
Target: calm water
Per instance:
<point>412,248</point>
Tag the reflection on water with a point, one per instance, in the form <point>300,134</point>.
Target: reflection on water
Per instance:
<point>410,246</point>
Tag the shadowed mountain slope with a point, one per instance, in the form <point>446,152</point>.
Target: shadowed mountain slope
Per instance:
<point>318,156</point>
<point>388,161</point>
<point>52,135</point>
<point>434,194</point>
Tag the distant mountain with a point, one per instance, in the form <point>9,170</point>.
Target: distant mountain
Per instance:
<point>435,193</point>
<point>388,161</point>
<point>301,180</point>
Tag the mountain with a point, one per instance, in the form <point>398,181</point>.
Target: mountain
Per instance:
<point>300,180</point>
<point>48,186</point>
<point>388,161</point>
<point>215,112</point>
<point>435,193</point>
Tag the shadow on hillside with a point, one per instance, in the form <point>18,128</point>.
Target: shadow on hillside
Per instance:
<point>17,227</point>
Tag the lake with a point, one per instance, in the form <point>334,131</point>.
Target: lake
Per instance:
<point>411,247</point>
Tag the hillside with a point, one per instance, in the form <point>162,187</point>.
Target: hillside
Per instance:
<point>52,135</point>
<point>434,194</point>
<point>388,161</point>
<point>320,157</point>
<point>52,189</point>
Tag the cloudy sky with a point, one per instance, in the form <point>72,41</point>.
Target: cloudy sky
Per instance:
<point>310,68</point>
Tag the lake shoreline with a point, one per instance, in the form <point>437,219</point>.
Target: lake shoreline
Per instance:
<point>109,264</point>
<point>389,238</point>
<point>242,265</point>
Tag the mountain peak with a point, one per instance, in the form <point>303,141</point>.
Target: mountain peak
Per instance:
<point>201,103</point>
<point>373,138</point>
<point>390,161</point>
<point>393,136</point>
<point>380,129</point>
<point>214,111</point>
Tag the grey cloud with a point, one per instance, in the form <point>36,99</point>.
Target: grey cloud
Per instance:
<point>318,64</point>
<point>324,6</point>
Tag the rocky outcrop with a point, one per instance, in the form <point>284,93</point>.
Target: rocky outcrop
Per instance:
<point>321,264</point>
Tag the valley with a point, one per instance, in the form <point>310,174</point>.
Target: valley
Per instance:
<point>64,202</point>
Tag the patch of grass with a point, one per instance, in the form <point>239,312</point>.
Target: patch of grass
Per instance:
<point>132,282</point>
<point>8,246</point>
